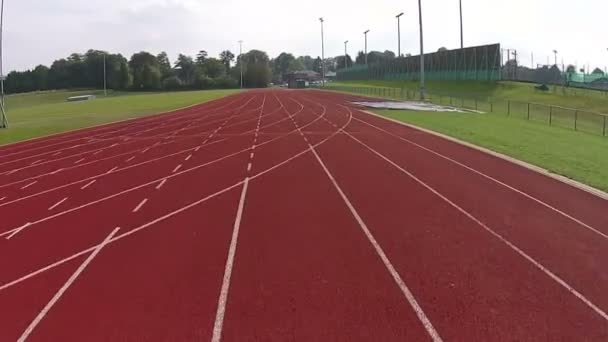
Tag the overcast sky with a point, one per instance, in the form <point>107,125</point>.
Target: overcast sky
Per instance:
<point>40,31</point>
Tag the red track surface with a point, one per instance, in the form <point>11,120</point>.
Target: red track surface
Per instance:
<point>290,215</point>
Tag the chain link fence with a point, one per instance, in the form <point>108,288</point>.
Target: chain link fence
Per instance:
<point>570,118</point>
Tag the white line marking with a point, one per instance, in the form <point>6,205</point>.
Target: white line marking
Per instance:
<point>11,172</point>
<point>78,161</point>
<point>56,154</point>
<point>65,287</point>
<point>3,198</point>
<point>58,204</point>
<point>98,152</point>
<point>249,167</point>
<point>177,168</point>
<point>114,145</point>
<point>253,148</point>
<point>196,149</point>
<point>509,244</point>
<point>56,171</point>
<point>141,204</point>
<point>251,155</point>
<point>188,157</point>
<point>160,185</point>
<point>404,289</point>
<point>145,150</point>
<point>37,161</point>
<point>546,205</point>
<point>128,160</point>
<point>221,306</point>
<point>88,184</point>
<point>18,230</point>
<point>112,170</point>
<point>27,186</point>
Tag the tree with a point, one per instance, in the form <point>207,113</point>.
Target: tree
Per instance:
<point>214,68</point>
<point>340,62</point>
<point>283,64</point>
<point>146,71</point>
<point>442,49</point>
<point>40,77</point>
<point>306,62</point>
<point>227,58</point>
<point>186,69</point>
<point>201,57</point>
<point>571,69</point>
<point>598,71</point>
<point>317,65</point>
<point>257,73</point>
<point>388,54</point>
<point>164,64</point>
<point>360,58</point>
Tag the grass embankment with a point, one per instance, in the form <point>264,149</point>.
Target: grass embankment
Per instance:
<point>38,114</point>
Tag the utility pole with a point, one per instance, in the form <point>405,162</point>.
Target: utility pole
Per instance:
<point>241,60</point>
<point>555,53</point>
<point>322,51</point>
<point>345,55</point>
<point>461,30</point>
<point>399,34</point>
<point>422,83</point>
<point>3,119</point>
<point>365,33</point>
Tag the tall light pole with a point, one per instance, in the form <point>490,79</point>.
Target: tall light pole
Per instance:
<point>3,119</point>
<point>322,52</point>
<point>241,60</point>
<point>422,83</point>
<point>345,55</point>
<point>399,34</point>
<point>365,33</point>
<point>461,30</point>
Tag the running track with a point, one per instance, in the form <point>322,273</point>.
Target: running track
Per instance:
<point>290,215</point>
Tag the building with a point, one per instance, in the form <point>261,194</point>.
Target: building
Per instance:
<point>302,79</point>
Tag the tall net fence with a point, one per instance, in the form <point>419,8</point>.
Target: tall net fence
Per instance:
<point>481,63</point>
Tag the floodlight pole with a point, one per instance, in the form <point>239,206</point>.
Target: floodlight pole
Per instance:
<point>322,52</point>
<point>422,82</point>
<point>345,55</point>
<point>555,54</point>
<point>399,34</point>
<point>461,29</point>
<point>365,33</point>
<point>3,119</point>
<point>241,60</point>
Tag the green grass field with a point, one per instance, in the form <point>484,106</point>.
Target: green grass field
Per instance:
<point>39,114</point>
<point>594,101</point>
<point>576,155</point>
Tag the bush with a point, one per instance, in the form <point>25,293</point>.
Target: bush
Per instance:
<point>204,82</point>
<point>226,82</point>
<point>172,83</point>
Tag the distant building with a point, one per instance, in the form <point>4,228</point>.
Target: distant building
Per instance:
<point>302,79</point>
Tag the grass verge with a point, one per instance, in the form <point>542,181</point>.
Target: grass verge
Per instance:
<point>39,114</point>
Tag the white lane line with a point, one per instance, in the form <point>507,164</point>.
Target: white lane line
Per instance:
<point>249,167</point>
<point>18,230</point>
<point>98,152</point>
<point>251,155</point>
<point>140,205</point>
<point>546,205</point>
<point>253,147</point>
<point>128,160</point>
<point>221,306</point>
<point>387,263</point>
<point>177,168</point>
<point>2,198</point>
<point>28,185</point>
<point>78,161</point>
<point>88,184</point>
<point>112,170</point>
<point>58,203</point>
<point>56,154</point>
<point>10,172</point>
<point>196,149</point>
<point>501,238</point>
<point>56,171</point>
<point>113,145</point>
<point>145,150</point>
<point>37,161</point>
<point>160,185</point>
<point>65,287</point>
<point>188,157</point>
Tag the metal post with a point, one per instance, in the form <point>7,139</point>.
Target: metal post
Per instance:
<point>241,60</point>
<point>528,110</point>
<point>461,30</point>
<point>399,34</point>
<point>422,83</point>
<point>508,107</point>
<point>604,130</point>
<point>322,52</point>
<point>365,33</point>
<point>3,118</point>
<point>105,88</point>
<point>550,115</point>
<point>576,120</point>
<point>345,55</point>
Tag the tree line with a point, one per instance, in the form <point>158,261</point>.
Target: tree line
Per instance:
<point>145,71</point>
